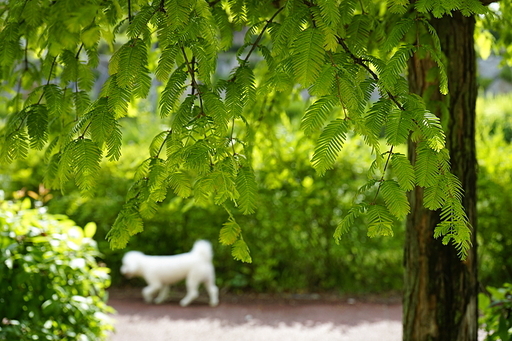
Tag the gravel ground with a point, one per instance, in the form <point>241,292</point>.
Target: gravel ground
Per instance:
<point>297,318</point>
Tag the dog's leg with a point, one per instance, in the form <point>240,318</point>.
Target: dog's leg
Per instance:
<point>192,292</point>
<point>149,292</point>
<point>212,289</point>
<point>164,292</point>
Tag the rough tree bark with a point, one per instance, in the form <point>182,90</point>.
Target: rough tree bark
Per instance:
<point>440,296</point>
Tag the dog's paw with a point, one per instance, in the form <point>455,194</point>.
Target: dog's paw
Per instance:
<point>214,303</point>
<point>184,303</point>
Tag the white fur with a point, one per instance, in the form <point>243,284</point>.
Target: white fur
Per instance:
<point>160,271</point>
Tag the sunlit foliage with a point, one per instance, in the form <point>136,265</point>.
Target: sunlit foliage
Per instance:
<point>342,52</point>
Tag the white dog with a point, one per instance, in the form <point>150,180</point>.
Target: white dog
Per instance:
<point>160,271</point>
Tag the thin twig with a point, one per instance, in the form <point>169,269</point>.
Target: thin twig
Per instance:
<point>129,11</point>
<point>169,132</point>
<point>253,47</point>
<point>194,84</point>
<point>390,153</point>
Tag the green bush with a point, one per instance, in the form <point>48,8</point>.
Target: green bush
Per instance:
<point>52,287</point>
<point>496,313</point>
<point>494,187</point>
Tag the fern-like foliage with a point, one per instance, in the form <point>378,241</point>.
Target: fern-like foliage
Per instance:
<point>399,30</point>
<point>128,223</point>
<point>341,52</point>
<point>395,198</point>
<point>240,251</point>
<point>231,234</point>
<point>329,145</point>
<point>172,92</point>
<point>86,163</point>
<point>395,66</point>
<point>247,188</point>
<point>348,220</point>
<point>426,167</point>
<point>404,171</point>
<point>308,56</point>
<point>317,114</point>
<point>380,221</point>
<point>399,125</point>
<point>37,125</point>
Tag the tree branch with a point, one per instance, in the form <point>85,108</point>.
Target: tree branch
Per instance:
<point>261,35</point>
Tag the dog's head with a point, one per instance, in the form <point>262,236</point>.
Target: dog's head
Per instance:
<point>131,264</point>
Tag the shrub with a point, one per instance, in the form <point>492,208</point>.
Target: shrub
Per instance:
<point>52,288</point>
<point>496,309</point>
<point>494,185</point>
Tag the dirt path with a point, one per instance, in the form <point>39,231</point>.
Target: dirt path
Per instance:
<point>255,319</point>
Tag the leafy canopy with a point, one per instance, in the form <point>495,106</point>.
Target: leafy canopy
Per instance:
<point>341,52</point>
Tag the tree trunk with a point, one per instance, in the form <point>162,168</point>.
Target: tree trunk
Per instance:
<point>440,294</point>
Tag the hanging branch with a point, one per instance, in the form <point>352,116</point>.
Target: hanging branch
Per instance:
<point>361,62</point>
<point>256,42</point>
<point>193,81</point>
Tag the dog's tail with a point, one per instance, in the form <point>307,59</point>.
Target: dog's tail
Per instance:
<point>204,249</point>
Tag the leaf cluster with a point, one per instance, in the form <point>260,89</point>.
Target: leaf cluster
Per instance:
<point>341,52</point>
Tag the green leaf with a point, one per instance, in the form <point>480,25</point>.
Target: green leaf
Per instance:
<point>247,187</point>
<point>395,199</point>
<point>172,92</point>
<point>87,157</point>
<point>398,127</point>
<point>90,229</point>
<point>132,72</point>
<point>229,232</point>
<point>158,143</point>
<point>398,31</point>
<point>223,180</point>
<point>404,171</point>
<point>323,85</point>
<point>426,167</point>
<point>117,97</point>
<point>139,23</point>
<point>51,174</point>
<point>329,145</point>
<point>196,157</point>
<point>330,12</point>
<point>37,125</point>
<point>434,195</point>
<point>396,65</point>
<point>157,175</point>
<point>166,62</point>
<point>348,221</point>
<point>102,122</point>
<point>375,120</point>
<point>180,183</point>
<point>214,107</point>
<point>317,113</point>
<point>380,221</point>
<point>183,115</point>
<point>128,223</point>
<point>15,146</point>
<point>114,142</point>
<point>240,251</point>
<point>54,98</point>
<point>308,56</point>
